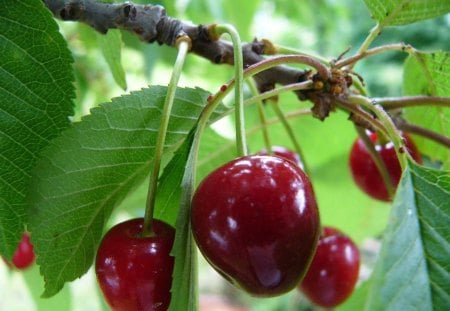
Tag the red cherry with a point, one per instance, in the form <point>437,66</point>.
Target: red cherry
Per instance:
<point>365,172</point>
<point>334,270</point>
<point>24,255</point>
<point>284,153</point>
<point>135,272</point>
<point>255,220</point>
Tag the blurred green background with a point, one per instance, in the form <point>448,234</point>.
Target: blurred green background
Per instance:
<point>320,27</point>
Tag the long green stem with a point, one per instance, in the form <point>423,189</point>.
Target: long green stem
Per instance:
<point>248,72</point>
<point>377,50</point>
<point>262,116</point>
<point>389,125</point>
<point>280,49</point>
<point>241,141</point>
<point>256,129</point>
<point>289,130</point>
<point>379,163</point>
<point>374,32</point>
<point>183,47</point>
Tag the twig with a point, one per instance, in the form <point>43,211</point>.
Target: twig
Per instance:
<point>377,50</point>
<point>418,130</point>
<point>151,24</point>
<point>409,101</point>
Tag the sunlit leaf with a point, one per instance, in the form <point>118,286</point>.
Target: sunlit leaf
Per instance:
<point>401,12</point>
<point>412,271</point>
<point>428,74</point>
<point>90,168</point>
<point>184,285</point>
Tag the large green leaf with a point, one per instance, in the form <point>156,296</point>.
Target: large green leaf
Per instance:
<point>90,168</point>
<point>184,284</point>
<point>401,12</point>
<point>35,103</point>
<point>412,271</point>
<point>427,74</point>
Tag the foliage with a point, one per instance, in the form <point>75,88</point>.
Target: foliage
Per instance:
<point>66,180</point>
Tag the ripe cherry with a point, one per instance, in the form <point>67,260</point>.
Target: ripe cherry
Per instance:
<point>334,270</point>
<point>365,172</point>
<point>255,220</point>
<point>285,153</point>
<point>135,272</point>
<point>24,255</point>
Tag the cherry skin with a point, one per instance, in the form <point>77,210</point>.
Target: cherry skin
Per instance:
<point>24,255</point>
<point>334,270</point>
<point>365,172</point>
<point>255,220</point>
<point>135,272</point>
<point>285,153</point>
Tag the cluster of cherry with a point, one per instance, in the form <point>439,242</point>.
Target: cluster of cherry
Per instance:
<point>255,219</point>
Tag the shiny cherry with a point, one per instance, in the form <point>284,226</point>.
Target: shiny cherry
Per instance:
<point>135,272</point>
<point>333,273</point>
<point>285,153</point>
<point>255,220</point>
<point>365,172</point>
<point>24,255</point>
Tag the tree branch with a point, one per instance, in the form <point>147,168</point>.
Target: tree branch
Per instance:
<point>151,24</point>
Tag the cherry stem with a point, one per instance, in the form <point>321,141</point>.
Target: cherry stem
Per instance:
<point>291,134</point>
<point>216,99</point>
<point>256,129</point>
<point>280,49</point>
<point>241,141</point>
<point>411,101</point>
<point>392,131</point>
<point>377,50</point>
<point>262,116</point>
<point>418,130</point>
<point>362,114</point>
<point>183,45</point>
<point>376,157</point>
<point>374,32</point>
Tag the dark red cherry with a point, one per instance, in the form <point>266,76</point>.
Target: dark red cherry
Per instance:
<point>284,153</point>
<point>135,272</point>
<point>365,172</point>
<point>255,220</point>
<point>24,255</point>
<point>334,271</point>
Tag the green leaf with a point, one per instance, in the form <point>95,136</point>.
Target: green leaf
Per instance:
<point>111,46</point>
<point>427,74</point>
<point>402,12</point>
<point>36,94</point>
<point>412,271</point>
<point>90,168</point>
<point>185,285</point>
<point>169,188</point>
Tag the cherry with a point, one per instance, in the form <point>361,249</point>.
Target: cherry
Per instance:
<point>135,272</point>
<point>334,270</point>
<point>24,255</point>
<point>284,153</point>
<point>365,172</point>
<point>255,220</point>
